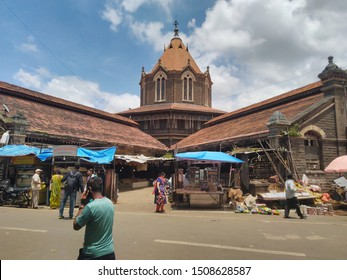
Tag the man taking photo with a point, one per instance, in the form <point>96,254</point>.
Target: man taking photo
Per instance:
<point>96,212</point>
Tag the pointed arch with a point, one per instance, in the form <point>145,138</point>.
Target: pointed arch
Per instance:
<point>160,86</point>
<point>207,93</point>
<point>188,79</point>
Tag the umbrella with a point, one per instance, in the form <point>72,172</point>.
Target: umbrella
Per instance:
<point>338,165</point>
<point>208,156</point>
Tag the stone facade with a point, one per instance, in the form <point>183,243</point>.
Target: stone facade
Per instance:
<point>323,133</point>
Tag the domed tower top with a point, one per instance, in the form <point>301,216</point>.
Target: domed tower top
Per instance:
<point>176,56</point>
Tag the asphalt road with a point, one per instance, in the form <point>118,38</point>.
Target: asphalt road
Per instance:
<point>189,234</point>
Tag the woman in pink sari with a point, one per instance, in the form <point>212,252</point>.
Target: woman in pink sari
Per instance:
<point>159,193</point>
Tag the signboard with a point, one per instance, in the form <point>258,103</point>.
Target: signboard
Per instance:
<point>24,160</point>
<point>65,150</point>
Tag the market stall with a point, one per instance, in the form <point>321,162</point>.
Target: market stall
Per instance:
<point>22,160</point>
<point>201,176</point>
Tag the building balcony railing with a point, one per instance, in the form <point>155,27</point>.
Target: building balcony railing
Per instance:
<point>172,131</point>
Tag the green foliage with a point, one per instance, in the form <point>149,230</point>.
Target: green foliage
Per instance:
<point>168,155</point>
<point>294,130</point>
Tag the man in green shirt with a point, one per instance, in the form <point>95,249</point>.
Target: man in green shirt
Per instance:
<point>96,212</point>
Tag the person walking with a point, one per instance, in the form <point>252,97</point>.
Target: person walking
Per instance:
<point>35,188</point>
<point>291,199</point>
<point>56,184</point>
<point>97,216</point>
<point>160,193</point>
<point>74,183</point>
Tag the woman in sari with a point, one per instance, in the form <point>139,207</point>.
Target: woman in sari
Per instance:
<point>56,185</point>
<point>159,192</point>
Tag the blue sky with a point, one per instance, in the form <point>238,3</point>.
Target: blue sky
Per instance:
<point>92,51</point>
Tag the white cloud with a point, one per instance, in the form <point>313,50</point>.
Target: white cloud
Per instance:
<point>132,6</point>
<point>192,23</point>
<point>75,89</point>
<point>28,47</point>
<point>28,79</point>
<point>273,46</point>
<point>113,16</point>
<point>150,33</point>
<point>122,12</point>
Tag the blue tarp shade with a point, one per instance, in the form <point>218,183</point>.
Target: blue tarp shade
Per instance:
<point>208,156</point>
<point>23,150</point>
<point>102,156</point>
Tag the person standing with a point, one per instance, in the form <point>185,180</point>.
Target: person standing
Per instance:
<point>56,184</point>
<point>35,188</point>
<point>97,216</point>
<point>90,174</point>
<point>159,193</point>
<point>291,199</point>
<point>74,183</point>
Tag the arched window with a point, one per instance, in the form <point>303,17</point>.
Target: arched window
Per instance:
<point>160,87</point>
<point>188,90</point>
<point>207,93</point>
<point>313,150</point>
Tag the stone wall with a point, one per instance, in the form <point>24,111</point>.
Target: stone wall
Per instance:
<point>326,122</point>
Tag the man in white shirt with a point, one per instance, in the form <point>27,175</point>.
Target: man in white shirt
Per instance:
<point>35,188</point>
<point>291,199</point>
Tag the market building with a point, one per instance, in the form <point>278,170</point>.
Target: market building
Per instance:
<point>300,131</point>
<point>176,96</point>
<point>43,121</point>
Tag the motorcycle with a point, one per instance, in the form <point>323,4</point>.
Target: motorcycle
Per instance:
<point>13,195</point>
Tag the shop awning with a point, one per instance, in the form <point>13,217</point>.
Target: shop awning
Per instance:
<point>140,158</point>
<point>101,156</point>
<point>24,150</point>
<point>104,156</point>
<point>208,157</point>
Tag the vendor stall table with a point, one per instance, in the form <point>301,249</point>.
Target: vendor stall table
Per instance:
<point>272,198</point>
<point>203,176</point>
<point>188,193</point>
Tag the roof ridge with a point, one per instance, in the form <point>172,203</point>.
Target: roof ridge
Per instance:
<point>270,102</point>
<point>172,106</point>
<point>60,102</point>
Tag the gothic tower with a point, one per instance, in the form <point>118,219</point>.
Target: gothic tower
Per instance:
<point>175,95</point>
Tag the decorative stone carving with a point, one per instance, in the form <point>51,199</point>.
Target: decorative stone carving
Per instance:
<point>332,71</point>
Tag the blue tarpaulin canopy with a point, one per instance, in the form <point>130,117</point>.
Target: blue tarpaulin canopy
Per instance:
<point>23,150</point>
<point>208,156</point>
<point>101,156</point>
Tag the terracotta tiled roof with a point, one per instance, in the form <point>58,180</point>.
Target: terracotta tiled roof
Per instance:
<point>61,118</point>
<point>45,98</point>
<point>172,106</point>
<point>176,57</point>
<point>283,98</point>
<point>250,122</point>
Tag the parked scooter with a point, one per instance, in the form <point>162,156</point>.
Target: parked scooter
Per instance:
<point>13,195</point>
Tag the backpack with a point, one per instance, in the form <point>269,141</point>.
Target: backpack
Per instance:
<point>72,181</point>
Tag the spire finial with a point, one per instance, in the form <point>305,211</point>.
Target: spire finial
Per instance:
<point>176,28</point>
